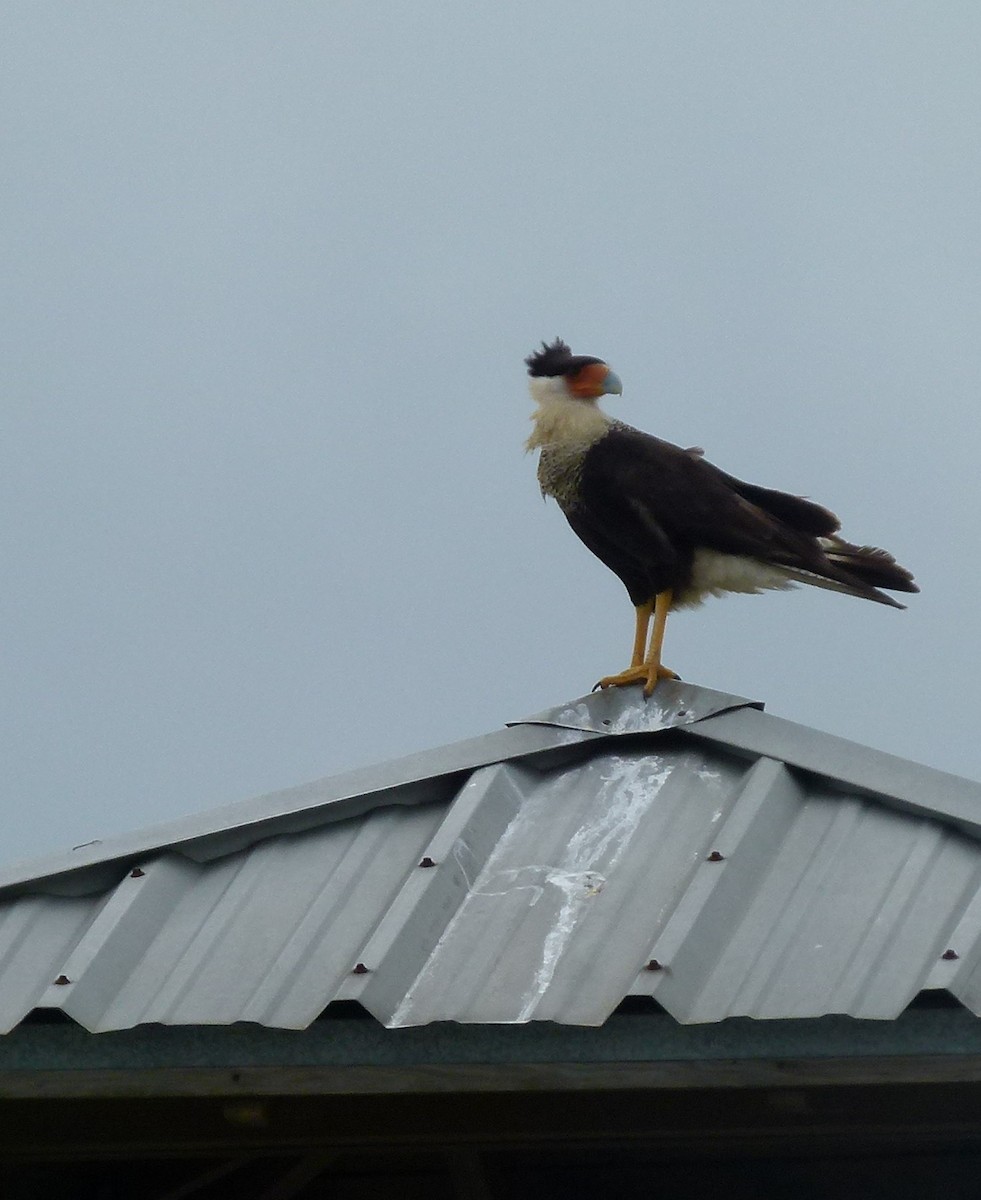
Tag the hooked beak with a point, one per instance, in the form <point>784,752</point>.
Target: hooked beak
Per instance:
<point>611,384</point>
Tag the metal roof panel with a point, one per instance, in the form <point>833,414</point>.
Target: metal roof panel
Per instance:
<point>697,850</point>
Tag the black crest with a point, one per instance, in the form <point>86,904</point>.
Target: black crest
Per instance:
<point>556,359</point>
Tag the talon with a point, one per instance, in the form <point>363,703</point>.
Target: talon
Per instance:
<point>659,673</point>
<point>625,678</point>
<point>646,674</point>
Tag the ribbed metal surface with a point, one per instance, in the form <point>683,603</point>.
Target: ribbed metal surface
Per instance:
<point>264,935</point>
<point>677,855</point>
<point>823,903</point>
<point>555,920</point>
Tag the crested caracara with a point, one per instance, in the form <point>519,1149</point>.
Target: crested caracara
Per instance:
<point>673,527</point>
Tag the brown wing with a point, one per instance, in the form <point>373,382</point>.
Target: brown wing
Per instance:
<point>795,511</point>
<point>643,491</point>
<point>693,502</point>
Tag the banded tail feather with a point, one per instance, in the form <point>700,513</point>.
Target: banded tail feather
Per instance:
<point>870,564</point>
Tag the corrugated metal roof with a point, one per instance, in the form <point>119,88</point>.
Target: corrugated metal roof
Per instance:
<point>694,849</point>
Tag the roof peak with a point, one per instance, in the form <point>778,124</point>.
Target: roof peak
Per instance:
<point>733,723</point>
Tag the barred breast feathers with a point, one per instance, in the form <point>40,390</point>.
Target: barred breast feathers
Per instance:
<point>564,429</point>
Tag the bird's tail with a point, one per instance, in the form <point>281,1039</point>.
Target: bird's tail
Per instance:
<point>869,564</point>
<point>857,571</point>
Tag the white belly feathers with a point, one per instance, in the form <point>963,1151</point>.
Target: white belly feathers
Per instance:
<point>714,573</point>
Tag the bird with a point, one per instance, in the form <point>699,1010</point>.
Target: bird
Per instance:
<point>672,526</point>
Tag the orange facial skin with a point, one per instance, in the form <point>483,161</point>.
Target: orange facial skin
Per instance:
<point>587,383</point>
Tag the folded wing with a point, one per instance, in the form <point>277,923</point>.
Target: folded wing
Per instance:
<point>653,501</point>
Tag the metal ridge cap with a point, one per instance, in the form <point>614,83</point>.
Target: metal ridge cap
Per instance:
<point>617,711</point>
<point>215,832</point>
<point>221,830</point>
<point>908,786</point>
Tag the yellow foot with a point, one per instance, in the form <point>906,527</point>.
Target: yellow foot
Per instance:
<point>648,675</point>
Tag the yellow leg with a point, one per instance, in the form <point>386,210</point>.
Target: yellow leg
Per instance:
<point>640,636</point>
<point>662,605</point>
<point>645,670</point>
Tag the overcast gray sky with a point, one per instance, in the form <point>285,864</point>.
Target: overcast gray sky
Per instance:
<point>271,270</point>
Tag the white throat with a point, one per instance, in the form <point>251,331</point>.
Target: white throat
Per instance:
<point>561,421</point>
